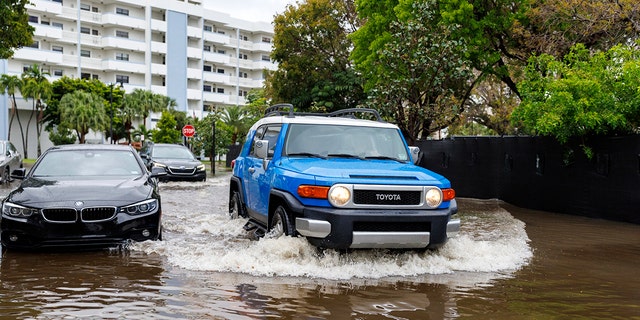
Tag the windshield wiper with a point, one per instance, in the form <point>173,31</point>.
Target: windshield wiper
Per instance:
<point>345,155</point>
<point>384,158</point>
<point>306,154</point>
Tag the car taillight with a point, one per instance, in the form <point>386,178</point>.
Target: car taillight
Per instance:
<point>233,163</point>
<point>313,192</point>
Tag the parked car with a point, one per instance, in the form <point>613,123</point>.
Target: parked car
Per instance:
<point>177,160</point>
<point>10,159</point>
<point>340,181</point>
<point>82,196</point>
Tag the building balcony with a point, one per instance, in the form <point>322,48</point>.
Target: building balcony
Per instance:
<point>215,57</point>
<point>46,8</point>
<point>112,19</point>
<point>194,53</point>
<point>47,31</point>
<point>37,55</point>
<point>217,38</point>
<point>158,69</point>
<point>123,66</point>
<point>123,43</point>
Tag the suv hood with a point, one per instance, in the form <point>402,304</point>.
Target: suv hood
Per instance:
<point>364,171</point>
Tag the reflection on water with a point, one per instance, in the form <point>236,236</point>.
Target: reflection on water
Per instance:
<point>529,266</point>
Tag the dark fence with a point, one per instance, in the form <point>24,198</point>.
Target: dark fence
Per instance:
<point>539,173</point>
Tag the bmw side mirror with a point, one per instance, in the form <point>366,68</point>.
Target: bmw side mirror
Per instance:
<point>19,173</point>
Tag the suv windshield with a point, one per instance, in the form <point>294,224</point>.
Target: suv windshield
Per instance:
<point>172,152</point>
<point>344,141</point>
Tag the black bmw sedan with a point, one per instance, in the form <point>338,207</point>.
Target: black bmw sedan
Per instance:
<point>82,196</point>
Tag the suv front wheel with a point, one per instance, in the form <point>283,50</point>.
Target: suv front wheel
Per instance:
<point>280,223</point>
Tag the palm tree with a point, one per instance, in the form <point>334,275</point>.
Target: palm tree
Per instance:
<point>37,87</point>
<point>140,103</point>
<point>234,117</point>
<point>11,84</point>
<point>82,112</point>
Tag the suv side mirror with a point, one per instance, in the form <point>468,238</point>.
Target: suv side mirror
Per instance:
<point>19,173</point>
<point>415,154</point>
<point>261,148</point>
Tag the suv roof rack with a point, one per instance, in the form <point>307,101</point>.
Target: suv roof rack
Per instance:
<point>286,109</point>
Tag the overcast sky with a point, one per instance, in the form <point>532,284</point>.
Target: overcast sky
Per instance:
<point>252,10</point>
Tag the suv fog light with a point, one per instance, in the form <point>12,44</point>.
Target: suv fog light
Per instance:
<point>13,238</point>
<point>146,232</point>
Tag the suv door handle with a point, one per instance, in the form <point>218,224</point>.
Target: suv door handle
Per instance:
<point>252,170</point>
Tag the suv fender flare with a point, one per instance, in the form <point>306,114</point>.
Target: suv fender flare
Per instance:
<point>292,203</point>
<point>236,185</point>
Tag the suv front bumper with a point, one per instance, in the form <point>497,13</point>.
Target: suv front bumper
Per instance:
<point>375,228</point>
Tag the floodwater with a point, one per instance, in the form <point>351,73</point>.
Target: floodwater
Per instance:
<point>506,263</point>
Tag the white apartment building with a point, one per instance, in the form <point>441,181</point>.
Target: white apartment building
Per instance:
<point>198,56</point>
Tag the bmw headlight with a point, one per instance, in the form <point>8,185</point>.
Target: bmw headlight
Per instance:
<point>339,195</point>
<point>433,197</point>
<point>147,206</point>
<point>14,210</point>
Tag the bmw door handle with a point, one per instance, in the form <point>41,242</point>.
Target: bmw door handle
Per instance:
<point>252,170</point>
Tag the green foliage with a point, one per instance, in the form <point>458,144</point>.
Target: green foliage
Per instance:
<point>15,30</point>
<point>583,95</point>
<point>82,111</point>
<point>204,138</point>
<point>420,75</point>
<point>236,121</point>
<point>61,135</point>
<point>166,131</point>
<point>312,48</point>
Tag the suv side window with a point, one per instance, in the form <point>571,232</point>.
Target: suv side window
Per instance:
<point>269,133</point>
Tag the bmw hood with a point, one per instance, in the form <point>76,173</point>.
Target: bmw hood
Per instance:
<point>365,171</point>
<point>39,192</point>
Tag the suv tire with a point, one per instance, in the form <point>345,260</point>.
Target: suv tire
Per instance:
<point>280,224</point>
<point>234,206</point>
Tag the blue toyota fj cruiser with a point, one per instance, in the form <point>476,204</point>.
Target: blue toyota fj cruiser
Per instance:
<point>340,181</point>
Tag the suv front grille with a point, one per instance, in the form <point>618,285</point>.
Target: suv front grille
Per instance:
<point>60,215</point>
<point>384,197</point>
<point>176,170</point>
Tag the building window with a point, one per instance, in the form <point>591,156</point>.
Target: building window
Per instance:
<point>266,58</point>
<point>46,23</point>
<point>85,76</point>
<point>266,39</point>
<point>85,53</point>
<point>220,51</point>
<point>95,77</point>
<point>122,34</point>
<point>122,56</point>
<point>207,68</point>
<point>57,73</point>
<point>208,28</point>
<point>85,7</point>
<point>33,19</point>
<point>122,11</point>
<point>221,71</point>
<point>94,32</point>
<point>35,45</point>
<point>57,25</point>
<point>220,90</point>
<point>206,88</point>
<point>85,30</point>
<point>122,79</point>
<point>243,37</point>
<point>206,47</point>
<point>243,56</point>
<point>57,49</point>
<point>242,93</point>
<point>94,9</point>
<point>26,67</point>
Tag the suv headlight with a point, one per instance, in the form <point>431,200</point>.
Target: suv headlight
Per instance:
<point>159,165</point>
<point>14,210</point>
<point>147,206</point>
<point>433,197</point>
<point>339,196</point>
<point>200,167</point>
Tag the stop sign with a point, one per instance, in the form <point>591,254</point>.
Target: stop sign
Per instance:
<point>188,131</point>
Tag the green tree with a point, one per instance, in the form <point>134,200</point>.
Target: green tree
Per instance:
<point>15,30</point>
<point>61,135</point>
<point>82,111</point>
<point>204,138</point>
<point>582,95</point>
<point>234,117</point>
<point>36,85</point>
<point>166,131</point>
<point>10,85</point>
<point>421,73</point>
<point>312,48</point>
